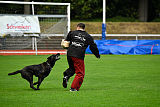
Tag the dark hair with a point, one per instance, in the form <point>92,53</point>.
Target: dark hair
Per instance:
<point>81,25</point>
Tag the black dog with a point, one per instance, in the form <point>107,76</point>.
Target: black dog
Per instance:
<point>41,71</point>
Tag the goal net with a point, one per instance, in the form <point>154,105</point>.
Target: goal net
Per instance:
<point>54,20</point>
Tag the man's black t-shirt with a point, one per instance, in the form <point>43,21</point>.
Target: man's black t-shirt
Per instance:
<point>79,41</point>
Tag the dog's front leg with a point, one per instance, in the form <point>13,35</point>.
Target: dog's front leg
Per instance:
<point>40,79</point>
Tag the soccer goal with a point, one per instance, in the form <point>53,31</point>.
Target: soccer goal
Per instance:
<point>53,20</point>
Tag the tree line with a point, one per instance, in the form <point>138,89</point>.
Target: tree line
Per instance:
<point>116,10</point>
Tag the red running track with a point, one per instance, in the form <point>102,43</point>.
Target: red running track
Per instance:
<point>31,52</point>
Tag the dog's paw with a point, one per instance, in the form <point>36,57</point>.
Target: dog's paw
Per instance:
<point>37,89</point>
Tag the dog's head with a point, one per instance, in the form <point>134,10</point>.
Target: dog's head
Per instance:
<point>53,58</point>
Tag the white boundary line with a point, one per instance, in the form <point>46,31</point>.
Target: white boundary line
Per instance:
<point>132,35</point>
<point>106,35</point>
<point>46,35</point>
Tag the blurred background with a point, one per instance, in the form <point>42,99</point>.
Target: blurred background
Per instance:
<point>125,20</point>
<point>117,10</point>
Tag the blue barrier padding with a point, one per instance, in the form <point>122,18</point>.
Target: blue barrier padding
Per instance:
<point>103,31</point>
<point>130,47</point>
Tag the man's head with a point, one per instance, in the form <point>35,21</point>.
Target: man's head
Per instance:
<point>80,26</point>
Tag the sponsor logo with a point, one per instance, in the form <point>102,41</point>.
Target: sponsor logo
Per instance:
<point>20,25</point>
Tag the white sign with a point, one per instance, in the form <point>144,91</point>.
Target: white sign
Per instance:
<point>19,24</point>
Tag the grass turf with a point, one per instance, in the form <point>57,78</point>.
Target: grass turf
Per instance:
<point>112,81</point>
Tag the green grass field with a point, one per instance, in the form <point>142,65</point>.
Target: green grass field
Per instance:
<point>112,81</point>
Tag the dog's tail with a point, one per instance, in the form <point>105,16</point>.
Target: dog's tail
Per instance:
<point>13,73</point>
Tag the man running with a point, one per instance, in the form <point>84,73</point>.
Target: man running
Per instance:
<point>79,41</point>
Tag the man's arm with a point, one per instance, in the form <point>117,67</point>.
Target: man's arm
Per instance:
<point>93,47</point>
<point>68,38</point>
<point>65,42</point>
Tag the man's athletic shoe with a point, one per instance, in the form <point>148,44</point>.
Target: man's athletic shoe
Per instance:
<point>72,89</point>
<point>65,80</point>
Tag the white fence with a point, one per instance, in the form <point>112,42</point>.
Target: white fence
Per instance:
<point>116,35</point>
<point>128,35</point>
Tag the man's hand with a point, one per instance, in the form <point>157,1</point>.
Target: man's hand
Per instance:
<point>65,44</point>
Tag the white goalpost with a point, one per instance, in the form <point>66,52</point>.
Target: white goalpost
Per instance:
<point>44,3</point>
<point>54,20</point>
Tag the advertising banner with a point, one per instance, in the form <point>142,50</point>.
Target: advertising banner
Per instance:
<point>19,24</point>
